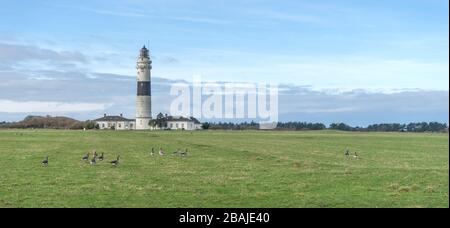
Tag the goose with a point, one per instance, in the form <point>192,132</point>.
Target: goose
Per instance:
<point>45,162</point>
<point>176,152</point>
<point>161,152</point>
<point>115,162</point>
<point>347,153</point>
<point>101,157</point>
<point>153,152</point>
<point>85,157</point>
<point>93,161</point>
<point>355,156</point>
<point>184,153</point>
<point>94,153</point>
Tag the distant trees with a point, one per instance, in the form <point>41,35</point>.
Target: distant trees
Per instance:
<point>300,126</point>
<point>206,125</point>
<point>49,122</point>
<point>231,126</point>
<point>292,126</point>
<point>424,127</point>
<point>395,127</point>
<point>88,125</point>
<point>341,127</point>
<point>152,123</point>
<point>159,122</point>
<point>46,122</point>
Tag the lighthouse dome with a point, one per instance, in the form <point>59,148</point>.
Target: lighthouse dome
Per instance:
<point>144,52</point>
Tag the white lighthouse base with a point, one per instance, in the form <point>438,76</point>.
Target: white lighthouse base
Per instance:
<point>143,123</point>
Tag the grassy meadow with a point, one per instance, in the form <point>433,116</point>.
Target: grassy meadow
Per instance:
<point>224,169</point>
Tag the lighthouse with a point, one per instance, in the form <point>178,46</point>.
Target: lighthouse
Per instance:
<point>143,101</point>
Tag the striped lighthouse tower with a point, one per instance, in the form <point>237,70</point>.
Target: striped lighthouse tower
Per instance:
<point>143,102</point>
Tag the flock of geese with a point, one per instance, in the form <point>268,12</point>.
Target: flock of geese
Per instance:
<point>347,155</point>
<point>161,152</point>
<point>177,152</point>
<point>96,157</point>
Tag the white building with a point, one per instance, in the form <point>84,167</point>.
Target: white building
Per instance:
<point>164,122</point>
<point>115,123</point>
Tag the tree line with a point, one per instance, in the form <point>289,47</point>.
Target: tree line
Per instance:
<point>49,122</point>
<point>395,127</point>
<point>299,126</point>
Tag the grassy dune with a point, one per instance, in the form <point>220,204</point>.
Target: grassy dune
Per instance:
<point>224,169</point>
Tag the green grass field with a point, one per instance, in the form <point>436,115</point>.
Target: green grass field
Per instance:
<point>224,169</point>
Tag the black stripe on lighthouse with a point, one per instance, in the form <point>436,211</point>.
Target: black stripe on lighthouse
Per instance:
<point>143,88</point>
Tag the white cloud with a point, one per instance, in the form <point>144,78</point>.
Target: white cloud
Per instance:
<point>19,53</point>
<point>10,106</point>
<point>41,78</point>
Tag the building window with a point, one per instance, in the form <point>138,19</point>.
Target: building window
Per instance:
<point>171,125</point>
<point>182,125</point>
<point>176,125</point>
<point>103,125</point>
<point>109,124</point>
<point>120,125</point>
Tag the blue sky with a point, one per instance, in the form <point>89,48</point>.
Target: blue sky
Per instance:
<point>333,47</point>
